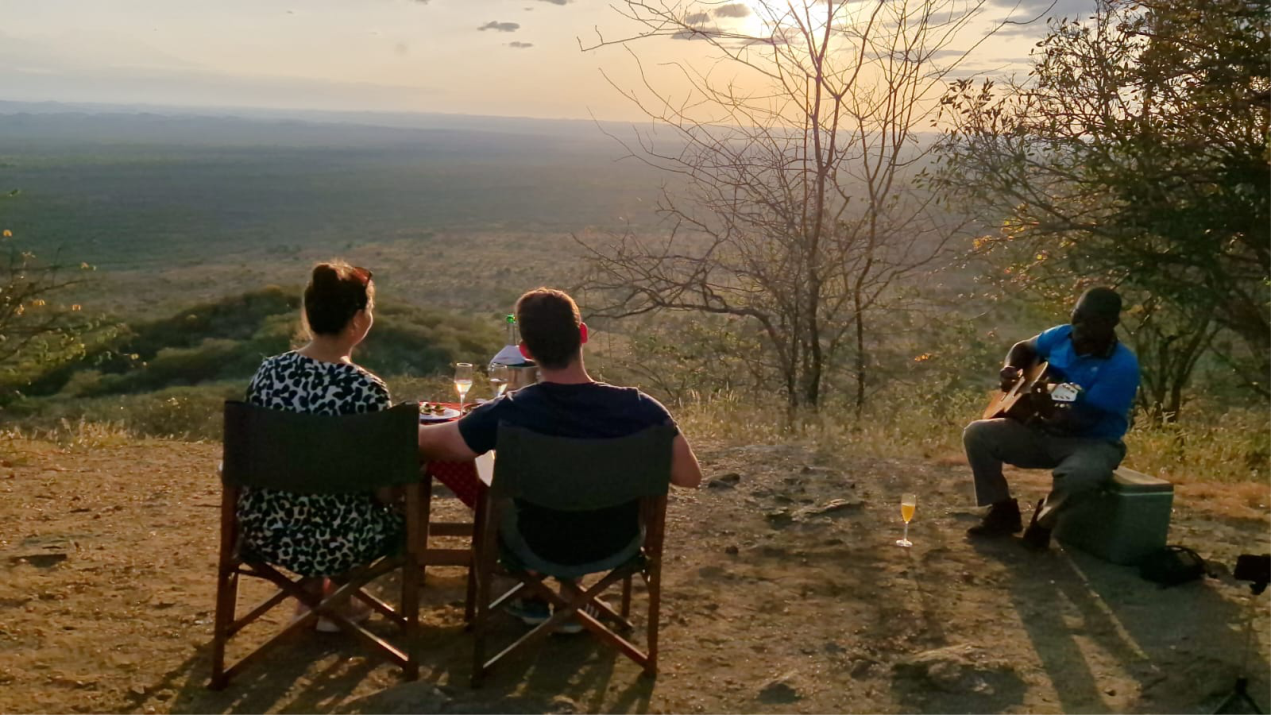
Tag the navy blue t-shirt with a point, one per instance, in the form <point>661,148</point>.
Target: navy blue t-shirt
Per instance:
<point>591,410</point>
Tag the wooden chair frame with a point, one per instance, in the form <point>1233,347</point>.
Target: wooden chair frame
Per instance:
<point>648,565</point>
<point>568,603</point>
<point>446,557</point>
<point>233,563</point>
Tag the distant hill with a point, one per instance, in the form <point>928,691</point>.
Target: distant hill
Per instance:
<point>227,339</point>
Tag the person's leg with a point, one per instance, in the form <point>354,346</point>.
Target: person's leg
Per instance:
<point>354,609</point>
<point>571,589</point>
<point>991,443</point>
<point>1084,466</point>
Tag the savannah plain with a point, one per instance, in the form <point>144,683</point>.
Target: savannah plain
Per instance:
<point>783,589</point>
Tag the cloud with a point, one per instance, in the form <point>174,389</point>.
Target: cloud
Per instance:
<point>734,10</point>
<point>1062,8</point>
<point>697,33</point>
<point>696,18</point>
<point>500,26</point>
<point>520,45</point>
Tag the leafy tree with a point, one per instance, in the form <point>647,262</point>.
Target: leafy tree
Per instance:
<point>1136,154</point>
<point>36,324</point>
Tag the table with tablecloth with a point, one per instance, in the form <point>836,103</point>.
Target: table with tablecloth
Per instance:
<point>460,477</point>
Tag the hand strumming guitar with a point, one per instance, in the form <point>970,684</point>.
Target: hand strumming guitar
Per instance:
<point>1042,405</point>
<point>1009,376</point>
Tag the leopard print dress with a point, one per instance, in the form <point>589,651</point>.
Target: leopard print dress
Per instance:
<point>316,534</point>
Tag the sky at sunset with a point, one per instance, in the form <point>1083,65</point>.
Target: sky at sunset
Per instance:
<point>488,57</point>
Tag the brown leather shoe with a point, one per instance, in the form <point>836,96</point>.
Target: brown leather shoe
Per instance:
<point>1003,519</point>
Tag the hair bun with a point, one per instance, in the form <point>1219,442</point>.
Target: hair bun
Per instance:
<point>325,274</point>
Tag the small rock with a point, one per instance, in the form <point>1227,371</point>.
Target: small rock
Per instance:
<point>957,669</point>
<point>779,518</point>
<point>727,481</point>
<point>861,668</point>
<point>780,690</point>
<point>562,704</point>
<point>41,560</point>
<point>732,550</point>
<point>834,648</point>
<point>1110,691</point>
<point>831,507</point>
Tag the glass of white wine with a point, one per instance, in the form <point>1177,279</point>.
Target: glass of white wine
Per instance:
<point>463,381</point>
<point>499,376</point>
<point>907,504</point>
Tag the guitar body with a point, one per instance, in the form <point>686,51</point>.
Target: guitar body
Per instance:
<point>1014,403</point>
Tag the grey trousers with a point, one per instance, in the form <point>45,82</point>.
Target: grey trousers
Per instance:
<point>1079,464</point>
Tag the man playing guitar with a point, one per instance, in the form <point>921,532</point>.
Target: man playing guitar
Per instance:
<point>1079,440</point>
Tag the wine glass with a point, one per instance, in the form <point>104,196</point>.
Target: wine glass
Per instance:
<point>499,376</point>
<point>907,504</point>
<point>463,381</point>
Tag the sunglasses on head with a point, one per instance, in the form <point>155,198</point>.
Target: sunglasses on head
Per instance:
<point>363,274</point>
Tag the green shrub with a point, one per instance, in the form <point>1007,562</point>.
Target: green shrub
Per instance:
<point>227,340</point>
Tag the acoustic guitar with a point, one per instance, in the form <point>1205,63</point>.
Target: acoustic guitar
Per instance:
<point>1014,403</point>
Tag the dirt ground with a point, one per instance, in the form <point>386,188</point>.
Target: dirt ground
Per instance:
<point>778,598</point>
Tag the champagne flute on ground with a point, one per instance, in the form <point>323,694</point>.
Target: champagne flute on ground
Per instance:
<point>463,381</point>
<point>907,504</point>
<point>499,375</point>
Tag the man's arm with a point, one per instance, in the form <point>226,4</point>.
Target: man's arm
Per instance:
<point>685,471</point>
<point>1021,355</point>
<point>443,443</point>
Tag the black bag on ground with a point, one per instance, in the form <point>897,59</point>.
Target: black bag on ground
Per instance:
<point>1171,566</point>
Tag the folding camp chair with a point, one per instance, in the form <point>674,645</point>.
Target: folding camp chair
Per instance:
<point>317,454</point>
<point>574,475</point>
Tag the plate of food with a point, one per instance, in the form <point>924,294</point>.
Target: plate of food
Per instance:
<point>435,412</point>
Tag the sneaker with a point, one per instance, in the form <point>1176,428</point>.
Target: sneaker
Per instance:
<point>531,611</point>
<point>574,626</point>
<point>1036,536</point>
<point>357,613</point>
<point>1003,519</point>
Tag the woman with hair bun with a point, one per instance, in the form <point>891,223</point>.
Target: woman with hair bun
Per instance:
<point>322,534</point>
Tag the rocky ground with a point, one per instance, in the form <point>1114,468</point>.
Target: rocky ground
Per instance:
<point>784,592</point>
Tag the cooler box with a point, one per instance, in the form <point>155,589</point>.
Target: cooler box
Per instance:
<point>1122,522</point>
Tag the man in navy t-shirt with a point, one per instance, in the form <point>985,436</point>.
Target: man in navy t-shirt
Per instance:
<point>1080,442</point>
<point>565,403</point>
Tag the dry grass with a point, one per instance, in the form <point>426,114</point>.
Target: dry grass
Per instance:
<point>1208,447</point>
<point>1227,447</point>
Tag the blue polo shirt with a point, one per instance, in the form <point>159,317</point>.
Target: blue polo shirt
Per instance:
<point>1108,382</point>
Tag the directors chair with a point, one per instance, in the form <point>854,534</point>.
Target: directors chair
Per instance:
<point>574,475</point>
<point>317,454</point>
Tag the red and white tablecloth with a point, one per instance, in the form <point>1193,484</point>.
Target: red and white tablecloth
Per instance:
<point>460,477</point>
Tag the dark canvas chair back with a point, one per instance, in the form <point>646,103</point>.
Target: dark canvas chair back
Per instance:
<point>320,454</point>
<point>575,475</point>
<point>582,474</point>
